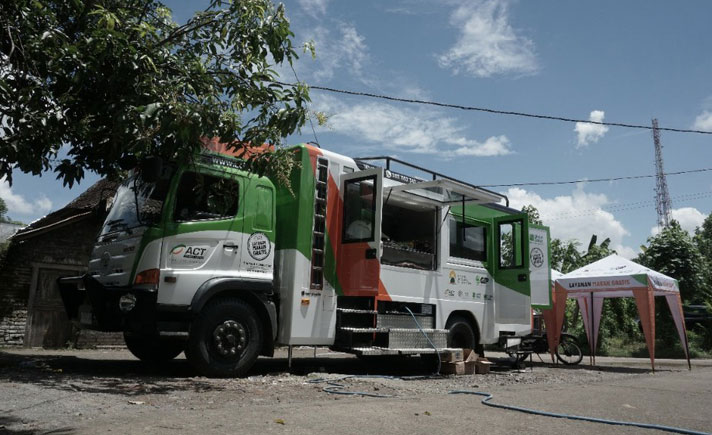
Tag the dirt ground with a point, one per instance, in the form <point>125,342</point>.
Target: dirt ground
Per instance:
<point>109,391</point>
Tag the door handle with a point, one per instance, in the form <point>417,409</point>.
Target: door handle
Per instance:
<point>371,253</point>
<point>230,245</point>
<point>522,277</point>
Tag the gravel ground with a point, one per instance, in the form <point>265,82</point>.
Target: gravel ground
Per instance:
<point>108,391</point>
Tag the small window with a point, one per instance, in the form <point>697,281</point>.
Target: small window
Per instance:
<point>510,245</point>
<point>263,209</point>
<point>202,197</point>
<point>359,210</point>
<point>468,241</point>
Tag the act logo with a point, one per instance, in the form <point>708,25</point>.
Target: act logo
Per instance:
<point>177,250</point>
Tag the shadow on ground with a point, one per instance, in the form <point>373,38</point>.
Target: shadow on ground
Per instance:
<point>6,422</point>
<point>131,377</point>
<point>502,365</point>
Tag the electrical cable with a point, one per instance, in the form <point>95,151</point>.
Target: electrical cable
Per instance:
<point>623,207</point>
<point>593,180</point>
<point>311,123</point>
<point>335,387</point>
<point>488,397</point>
<point>495,111</point>
<point>437,372</point>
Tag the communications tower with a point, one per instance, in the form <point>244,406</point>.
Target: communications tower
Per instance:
<point>662,196</point>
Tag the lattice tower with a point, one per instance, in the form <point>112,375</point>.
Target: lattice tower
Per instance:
<point>663,204</point>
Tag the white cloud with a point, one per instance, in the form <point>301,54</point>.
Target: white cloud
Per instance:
<point>688,217</point>
<point>591,133</point>
<point>487,44</point>
<point>703,121</point>
<point>18,205</point>
<point>315,8</point>
<point>345,53</point>
<point>577,216</point>
<point>408,130</point>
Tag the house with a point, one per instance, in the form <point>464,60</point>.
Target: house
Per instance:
<point>59,244</point>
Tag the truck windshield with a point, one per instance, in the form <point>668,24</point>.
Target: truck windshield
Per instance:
<point>137,203</point>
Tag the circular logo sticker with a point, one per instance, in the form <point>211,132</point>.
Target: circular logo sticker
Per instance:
<point>258,246</point>
<point>537,257</point>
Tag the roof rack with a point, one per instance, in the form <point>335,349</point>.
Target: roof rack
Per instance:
<point>433,174</point>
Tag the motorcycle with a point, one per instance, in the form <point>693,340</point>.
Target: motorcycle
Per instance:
<point>568,351</point>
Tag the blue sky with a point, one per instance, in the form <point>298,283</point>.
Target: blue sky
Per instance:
<point>607,60</point>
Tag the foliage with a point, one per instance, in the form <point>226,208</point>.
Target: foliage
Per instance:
<point>673,253</point>
<point>703,238</point>
<point>107,82</point>
<point>3,211</point>
<point>532,214</point>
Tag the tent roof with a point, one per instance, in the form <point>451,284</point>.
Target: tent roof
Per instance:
<point>615,276</point>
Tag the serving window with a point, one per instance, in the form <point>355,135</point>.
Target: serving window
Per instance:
<point>409,236</point>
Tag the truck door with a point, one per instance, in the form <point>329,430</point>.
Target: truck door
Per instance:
<point>540,271</point>
<point>358,265</point>
<point>512,292</point>
<point>257,248</point>
<point>203,233</point>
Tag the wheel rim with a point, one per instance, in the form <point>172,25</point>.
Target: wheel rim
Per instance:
<point>568,353</point>
<point>229,339</point>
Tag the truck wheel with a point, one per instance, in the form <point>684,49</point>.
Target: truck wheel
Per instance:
<point>460,334</point>
<point>152,349</point>
<point>224,339</point>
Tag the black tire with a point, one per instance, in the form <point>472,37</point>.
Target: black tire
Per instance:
<point>152,349</point>
<point>225,339</point>
<point>568,351</point>
<point>460,334</point>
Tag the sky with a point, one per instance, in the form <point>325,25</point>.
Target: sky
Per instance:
<point>625,62</point>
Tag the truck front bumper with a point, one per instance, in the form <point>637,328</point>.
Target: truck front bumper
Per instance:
<point>95,306</point>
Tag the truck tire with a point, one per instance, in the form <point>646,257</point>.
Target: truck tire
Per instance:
<point>460,334</point>
<point>152,349</point>
<point>224,339</point>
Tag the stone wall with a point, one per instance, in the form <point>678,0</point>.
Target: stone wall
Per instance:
<point>68,245</point>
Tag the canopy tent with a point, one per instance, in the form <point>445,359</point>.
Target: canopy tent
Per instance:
<point>616,277</point>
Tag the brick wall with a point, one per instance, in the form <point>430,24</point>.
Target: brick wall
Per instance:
<point>67,245</point>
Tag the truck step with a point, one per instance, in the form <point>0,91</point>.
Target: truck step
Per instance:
<point>355,311</point>
<point>391,338</point>
<point>377,351</point>
<point>398,320</point>
<point>413,338</point>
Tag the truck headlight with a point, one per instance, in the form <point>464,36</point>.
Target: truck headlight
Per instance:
<point>127,302</point>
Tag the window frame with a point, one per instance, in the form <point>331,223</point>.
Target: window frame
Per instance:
<point>514,265</point>
<point>454,220</point>
<point>222,175</point>
<point>372,236</point>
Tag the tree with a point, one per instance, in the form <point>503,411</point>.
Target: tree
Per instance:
<point>3,211</point>
<point>703,238</point>
<point>533,214</point>
<point>108,82</point>
<point>673,253</point>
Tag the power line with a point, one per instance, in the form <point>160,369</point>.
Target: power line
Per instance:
<point>593,180</point>
<point>495,111</point>
<point>623,207</point>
